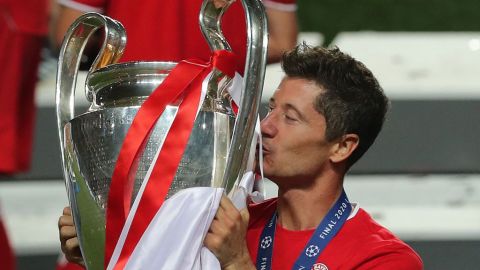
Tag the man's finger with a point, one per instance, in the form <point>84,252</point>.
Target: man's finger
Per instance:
<point>67,232</point>
<point>212,242</point>
<point>229,209</point>
<point>72,245</point>
<point>227,204</point>
<point>217,227</point>
<point>65,221</point>
<point>67,211</point>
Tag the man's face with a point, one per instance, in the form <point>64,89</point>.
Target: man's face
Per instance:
<point>293,133</point>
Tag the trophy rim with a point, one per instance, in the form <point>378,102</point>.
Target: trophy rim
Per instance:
<point>100,82</point>
<point>128,67</point>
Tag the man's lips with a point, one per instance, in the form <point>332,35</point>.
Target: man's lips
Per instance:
<point>265,149</point>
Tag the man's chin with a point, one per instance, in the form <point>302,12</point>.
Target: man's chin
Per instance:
<point>265,170</point>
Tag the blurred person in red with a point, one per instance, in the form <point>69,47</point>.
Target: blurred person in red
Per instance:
<point>23,28</point>
<point>168,30</point>
<point>7,256</point>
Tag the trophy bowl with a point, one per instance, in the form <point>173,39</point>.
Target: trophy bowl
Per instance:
<point>93,141</point>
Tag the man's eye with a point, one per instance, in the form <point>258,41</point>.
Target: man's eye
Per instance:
<point>289,118</point>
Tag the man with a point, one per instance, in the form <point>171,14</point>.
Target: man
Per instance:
<point>323,117</point>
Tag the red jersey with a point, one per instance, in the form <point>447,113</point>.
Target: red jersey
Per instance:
<point>172,31</point>
<point>23,25</point>
<point>7,256</point>
<point>360,244</point>
<point>26,16</point>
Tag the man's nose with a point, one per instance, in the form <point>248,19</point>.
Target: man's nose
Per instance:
<point>267,126</point>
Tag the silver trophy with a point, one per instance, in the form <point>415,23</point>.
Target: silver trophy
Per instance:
<point>90,142</point>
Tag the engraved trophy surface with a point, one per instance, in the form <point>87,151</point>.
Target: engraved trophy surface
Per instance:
<point>90,142</point>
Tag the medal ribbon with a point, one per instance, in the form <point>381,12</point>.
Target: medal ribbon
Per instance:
<point>184,81</point>
<point>323,234</point>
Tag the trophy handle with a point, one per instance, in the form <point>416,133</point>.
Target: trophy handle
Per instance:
<point>254,74</point>
<point>71,51</point>
<point>210,17</point>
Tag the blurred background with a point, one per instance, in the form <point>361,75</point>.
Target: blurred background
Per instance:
<point>421,179</point>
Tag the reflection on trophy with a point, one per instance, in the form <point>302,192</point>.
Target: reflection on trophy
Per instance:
<point>215,150</point>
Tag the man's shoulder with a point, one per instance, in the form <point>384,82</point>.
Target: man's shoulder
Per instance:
<point>363,225</point>
<point>390,255</point>
<point>368,231</point>
<point>376,245</point>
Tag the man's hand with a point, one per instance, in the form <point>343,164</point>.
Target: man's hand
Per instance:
<point>227,237</point>
<point>68,237</point>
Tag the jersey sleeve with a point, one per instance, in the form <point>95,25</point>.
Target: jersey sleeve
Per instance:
<point>400,259</point>
<point>85,5</point>
<point>281,5</point>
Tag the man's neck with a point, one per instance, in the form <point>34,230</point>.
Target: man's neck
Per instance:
<point>305,208</point>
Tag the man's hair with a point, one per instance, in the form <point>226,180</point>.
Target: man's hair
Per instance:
<point>351,100</point>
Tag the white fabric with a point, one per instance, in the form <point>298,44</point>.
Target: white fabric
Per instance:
<point>178,243</point>
<point>236,87</point>
<point>174,238</point>
<point>242,191</point>
<point>353,213</point>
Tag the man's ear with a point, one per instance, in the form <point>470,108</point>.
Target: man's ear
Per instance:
<point>344,147</point>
